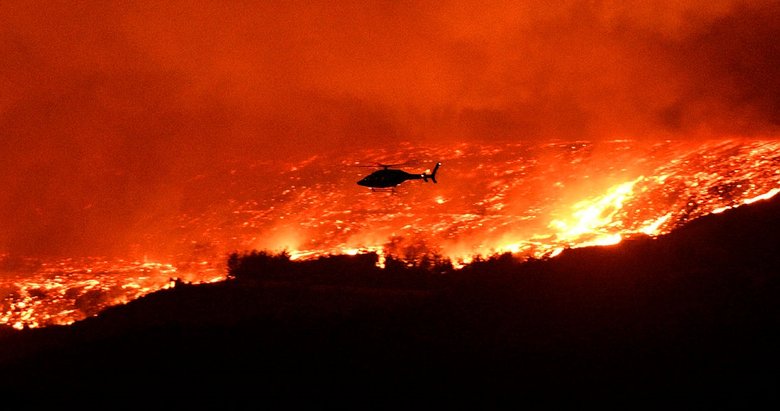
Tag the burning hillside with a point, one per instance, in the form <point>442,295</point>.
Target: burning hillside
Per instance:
<point>533,200</point>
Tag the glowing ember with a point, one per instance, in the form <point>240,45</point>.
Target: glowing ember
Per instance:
<point>530,200</point>
<point>71,289</point>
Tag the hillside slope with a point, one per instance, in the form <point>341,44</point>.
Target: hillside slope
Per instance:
<point>691,316</point>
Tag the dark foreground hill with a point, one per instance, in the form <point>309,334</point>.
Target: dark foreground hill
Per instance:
<point>691,318</point>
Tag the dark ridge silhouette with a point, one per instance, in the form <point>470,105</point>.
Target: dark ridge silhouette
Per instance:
<point>688,319</point>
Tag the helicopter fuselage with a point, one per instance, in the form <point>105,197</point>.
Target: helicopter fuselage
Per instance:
<point>387,178</point>
<point>390,177</point>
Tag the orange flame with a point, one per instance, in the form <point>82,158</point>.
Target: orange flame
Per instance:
<point>532,201</point>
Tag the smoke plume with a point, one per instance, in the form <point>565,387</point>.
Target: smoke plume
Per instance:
<point>108,108</point>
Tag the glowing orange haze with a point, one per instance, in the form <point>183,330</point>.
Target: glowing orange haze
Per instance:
<point>113,115</point>
<point>533,200</point>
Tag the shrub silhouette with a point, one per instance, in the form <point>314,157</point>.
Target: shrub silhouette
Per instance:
<point>355,270</point>
<point>254,263</point>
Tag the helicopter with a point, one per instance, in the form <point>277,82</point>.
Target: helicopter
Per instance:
<point>390,177</point>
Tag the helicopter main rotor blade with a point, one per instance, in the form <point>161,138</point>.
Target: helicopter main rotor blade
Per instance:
<point>383,165</point>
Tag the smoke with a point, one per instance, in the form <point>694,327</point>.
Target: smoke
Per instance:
<point>107,108</point>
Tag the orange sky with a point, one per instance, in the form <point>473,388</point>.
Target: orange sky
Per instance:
<point>106,105</point>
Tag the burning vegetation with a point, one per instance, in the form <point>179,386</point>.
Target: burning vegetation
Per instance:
<point>689,317</point>
<point>529,200</point>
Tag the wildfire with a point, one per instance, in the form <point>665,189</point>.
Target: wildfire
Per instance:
<point>530,200</point>
<point>593,217</point>
<point>61,292</point>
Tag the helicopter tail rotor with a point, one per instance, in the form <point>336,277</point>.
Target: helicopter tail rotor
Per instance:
<point>432,176</point>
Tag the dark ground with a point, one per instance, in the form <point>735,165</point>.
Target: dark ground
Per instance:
<point>690,319</point>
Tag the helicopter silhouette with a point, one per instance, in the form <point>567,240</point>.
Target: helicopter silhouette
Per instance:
<point>390,177</point>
